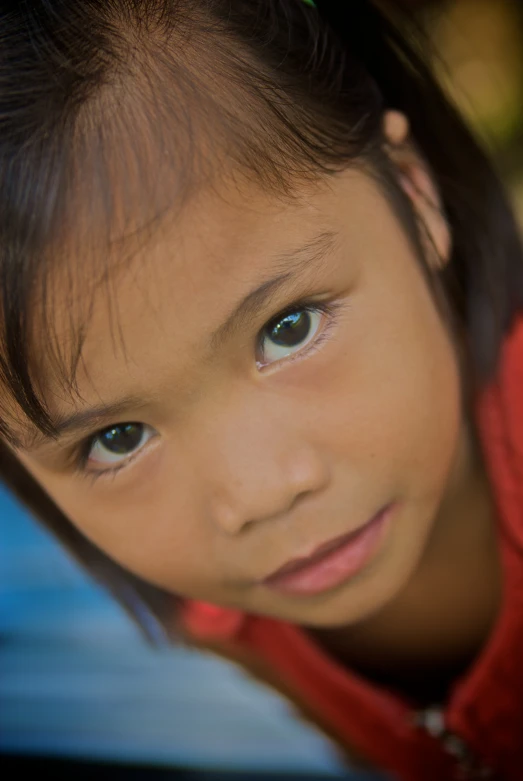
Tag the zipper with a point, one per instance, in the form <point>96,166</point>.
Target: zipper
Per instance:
<point>469,768</point>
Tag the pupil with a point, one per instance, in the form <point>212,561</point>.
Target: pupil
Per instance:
<point>122,439</point>
<point>291,330</point>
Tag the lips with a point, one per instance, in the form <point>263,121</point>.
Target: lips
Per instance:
<point>332,562</point>
<point>294,565</point>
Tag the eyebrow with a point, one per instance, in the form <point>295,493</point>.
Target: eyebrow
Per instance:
<point>83,421</point>
<point>290,264</point>
<point>301,259</point>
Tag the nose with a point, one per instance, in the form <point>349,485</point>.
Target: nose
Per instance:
<point>260,469</point>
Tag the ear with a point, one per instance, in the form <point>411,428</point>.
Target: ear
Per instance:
<point>417,183</point>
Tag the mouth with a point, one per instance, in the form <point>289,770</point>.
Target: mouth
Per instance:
<point>333,562</point>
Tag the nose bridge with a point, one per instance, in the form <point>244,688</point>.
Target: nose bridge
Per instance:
<point>258,463</point>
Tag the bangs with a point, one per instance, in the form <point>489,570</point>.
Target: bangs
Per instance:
<point>127,109</point>
<point>114,112</point>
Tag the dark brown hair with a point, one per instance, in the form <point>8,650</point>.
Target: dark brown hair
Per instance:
<point>100,94</point>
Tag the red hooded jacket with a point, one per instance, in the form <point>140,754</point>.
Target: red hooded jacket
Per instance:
<point>479,731</point>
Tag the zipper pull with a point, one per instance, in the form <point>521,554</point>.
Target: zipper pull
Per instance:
<point>432,721</point>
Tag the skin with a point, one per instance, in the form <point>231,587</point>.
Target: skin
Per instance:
<point>251,465</point>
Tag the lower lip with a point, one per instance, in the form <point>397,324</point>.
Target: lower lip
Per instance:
<point>339,565</point>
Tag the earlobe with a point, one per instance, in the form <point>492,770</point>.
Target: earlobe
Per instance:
<point>419,186</point>
<point>395,128</point>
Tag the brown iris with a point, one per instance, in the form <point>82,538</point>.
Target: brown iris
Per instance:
<point>291,329</point>
<point>122,439</point>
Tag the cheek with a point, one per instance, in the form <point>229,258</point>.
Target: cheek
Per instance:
<point>151,525</point>
<point>391,400</point>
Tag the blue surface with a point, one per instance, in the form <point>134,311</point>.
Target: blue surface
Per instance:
<point>76,679</point>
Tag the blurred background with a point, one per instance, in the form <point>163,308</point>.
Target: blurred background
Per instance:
<point>77,682</point>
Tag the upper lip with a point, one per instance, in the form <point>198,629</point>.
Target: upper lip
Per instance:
<point>302,562</point>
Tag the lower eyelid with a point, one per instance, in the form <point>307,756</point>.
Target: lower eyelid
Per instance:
<point>315,344</point>
<point>111,471</point>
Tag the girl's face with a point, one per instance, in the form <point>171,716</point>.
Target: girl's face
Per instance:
<point>278,375</point>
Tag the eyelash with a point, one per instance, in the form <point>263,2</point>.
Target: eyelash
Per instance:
<point>328,309</point>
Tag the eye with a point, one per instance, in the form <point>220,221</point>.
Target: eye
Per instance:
<point>116,444</point>
<point>289,333</point>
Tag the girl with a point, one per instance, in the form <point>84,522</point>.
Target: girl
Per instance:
<point>262,349</point>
